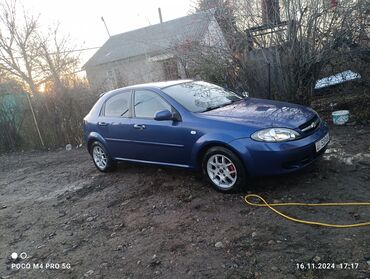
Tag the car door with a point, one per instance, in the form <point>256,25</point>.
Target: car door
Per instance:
<point>156,141</point>
<point>115,120</point>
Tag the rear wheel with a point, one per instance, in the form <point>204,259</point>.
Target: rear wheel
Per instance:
<point>223,169</point>
<point>101,158</point>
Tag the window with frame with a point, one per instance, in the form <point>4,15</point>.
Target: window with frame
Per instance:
<point>118,105</point>
<point>148,103</point>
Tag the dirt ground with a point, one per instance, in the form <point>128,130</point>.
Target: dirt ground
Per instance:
<point>150,222</point>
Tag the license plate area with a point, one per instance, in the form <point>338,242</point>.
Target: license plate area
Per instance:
<point>320,144</point>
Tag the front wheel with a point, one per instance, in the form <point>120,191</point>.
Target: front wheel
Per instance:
<point>101,158</point>
<point>223,169</point>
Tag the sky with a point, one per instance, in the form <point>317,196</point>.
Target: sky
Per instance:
<point>81,19</point>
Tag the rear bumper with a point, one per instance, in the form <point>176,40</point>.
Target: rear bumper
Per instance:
<point>278,158</point>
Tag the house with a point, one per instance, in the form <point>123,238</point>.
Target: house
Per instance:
<point>148,54</point>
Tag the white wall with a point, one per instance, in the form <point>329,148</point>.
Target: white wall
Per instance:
<point>125,72</point>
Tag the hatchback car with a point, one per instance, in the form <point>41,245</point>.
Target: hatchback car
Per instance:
<point>198,125</point>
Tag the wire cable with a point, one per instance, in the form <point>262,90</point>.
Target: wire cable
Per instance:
<point>272,205</point>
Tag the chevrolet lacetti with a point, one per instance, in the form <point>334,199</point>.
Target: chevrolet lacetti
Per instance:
<point>199,125</point>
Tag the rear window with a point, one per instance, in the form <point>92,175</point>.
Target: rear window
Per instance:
<point>118,105</point>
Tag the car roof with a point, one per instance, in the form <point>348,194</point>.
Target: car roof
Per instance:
<point>158,85</point>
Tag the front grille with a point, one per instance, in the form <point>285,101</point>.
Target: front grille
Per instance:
<point>310,125</point>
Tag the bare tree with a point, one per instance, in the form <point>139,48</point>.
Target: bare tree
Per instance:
<point>303,38</point>
<point>31,57</point>
<point>56,59</point>
<point>18,51</point>
<point>18,46</point>
<point>288,42</point>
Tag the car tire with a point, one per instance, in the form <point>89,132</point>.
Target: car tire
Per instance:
<point>101,158</point>
<point>223,169</point>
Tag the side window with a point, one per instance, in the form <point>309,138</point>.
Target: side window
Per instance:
<point>118,106</point>
<point>147,103</point>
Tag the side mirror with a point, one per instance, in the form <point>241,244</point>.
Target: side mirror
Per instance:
<point>163,115</point>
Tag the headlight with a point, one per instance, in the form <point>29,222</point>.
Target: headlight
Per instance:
<point>275,135</point>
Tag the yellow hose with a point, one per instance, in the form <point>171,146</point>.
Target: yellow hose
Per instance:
<point>271,206</point>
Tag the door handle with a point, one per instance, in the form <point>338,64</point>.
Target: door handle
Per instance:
<point>102,123</point>
<point>139,126</point>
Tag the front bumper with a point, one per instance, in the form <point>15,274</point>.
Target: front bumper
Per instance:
<point>261,158</point>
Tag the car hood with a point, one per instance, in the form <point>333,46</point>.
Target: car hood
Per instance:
<point>261,113</point>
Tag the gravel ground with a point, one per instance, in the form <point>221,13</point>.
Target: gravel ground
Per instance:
<point>150,222</point>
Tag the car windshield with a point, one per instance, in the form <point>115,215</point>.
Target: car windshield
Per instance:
<point>201,96</point>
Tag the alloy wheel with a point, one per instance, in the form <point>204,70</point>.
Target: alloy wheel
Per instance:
<point>100,158</point>
<point>222,171</point>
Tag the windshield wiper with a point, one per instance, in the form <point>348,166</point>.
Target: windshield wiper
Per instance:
<point>216,107</point>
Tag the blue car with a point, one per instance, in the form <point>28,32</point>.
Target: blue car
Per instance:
<point>199,125</point>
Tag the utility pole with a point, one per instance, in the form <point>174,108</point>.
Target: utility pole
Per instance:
<point>106,27</point>
<point>160,15</point>
<point>35,120</point>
